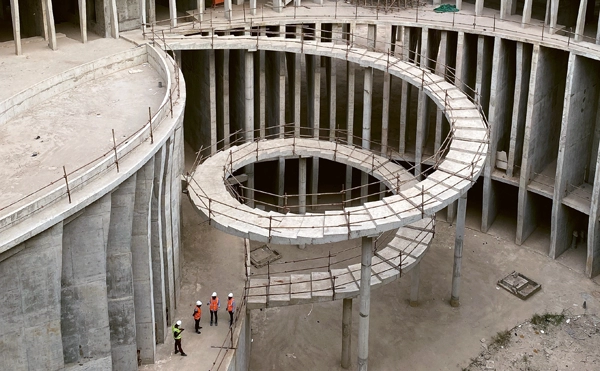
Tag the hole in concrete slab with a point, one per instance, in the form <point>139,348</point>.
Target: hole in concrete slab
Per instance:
<point>263,255</point>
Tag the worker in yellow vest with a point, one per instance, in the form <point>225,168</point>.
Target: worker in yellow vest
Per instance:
<point>177,330</point>
<point>230,307</point>
<point>214,305</point>
<point>198,315</point>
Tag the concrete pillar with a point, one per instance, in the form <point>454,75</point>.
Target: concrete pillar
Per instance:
<point>282,73</point>
<point>172,12</point>
<point>302,169</point>
<point>249,92</point>
<point>579,28</point>
<point>224,97</point>
<point>527,13</point>
<point>350,86</point>
<point>280,180</point>
<point>385,112</point>
<point>553,16</point>
<point>151,11</point>
<point>249,169</point>
<point>45,20</point>
<point>212,86</point>
<point>365,303</point>
<point>83,20</point>
<point>415,274</point>
<point>228,8</point>
<point>278,6</point>
<point>424,52</point>
<point>313,77</point>
<point>142,264</point>
<point>119,278</point>
<point>158,274</point>
<point>167,232</point>
<point>16,23</point>
<point>253,7</point>
<point>51,27</point>
<point>201,5</point>
<point>332,95</point>
<point>592,265</point>
<point>259,60</point>
<point>459,4</point>
<point>30,287</point>
<point>84,303</point>
<point>422,123</point>
<point>346,332</point>
<point>478,7</point>
<point>314,182</point>
<point>114,19</point>
<point>404,107</point>
<point>461,60</point>
<point>297,76</point>
<point>367,107</point>
<point>458,248</point>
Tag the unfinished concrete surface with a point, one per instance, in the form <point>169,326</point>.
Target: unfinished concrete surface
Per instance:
<point>546,198</point>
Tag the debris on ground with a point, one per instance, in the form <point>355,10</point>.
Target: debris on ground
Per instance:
<point>547,341</point>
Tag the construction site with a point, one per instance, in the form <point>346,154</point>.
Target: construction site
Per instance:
<point>379,185</point>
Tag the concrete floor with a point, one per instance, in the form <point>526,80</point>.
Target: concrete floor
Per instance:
<point>73,128</point>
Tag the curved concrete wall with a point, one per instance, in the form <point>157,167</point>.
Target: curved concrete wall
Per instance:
<point>89,284</point>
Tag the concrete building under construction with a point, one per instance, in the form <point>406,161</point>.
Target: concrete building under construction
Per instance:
<point>306,126</point>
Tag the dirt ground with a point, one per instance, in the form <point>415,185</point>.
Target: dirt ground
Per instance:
<point>569,342</point>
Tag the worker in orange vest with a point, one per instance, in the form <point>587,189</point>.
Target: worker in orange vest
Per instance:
<point>214,305</point>
<point>230,308</point>
<point>198,315</point>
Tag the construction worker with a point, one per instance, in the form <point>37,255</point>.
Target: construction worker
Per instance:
<point>214,305</point>
<point>177,330</point>
<point>230,308</point>
<point>197,315</point>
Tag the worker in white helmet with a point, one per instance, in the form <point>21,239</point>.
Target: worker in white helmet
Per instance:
<point>177,330</point>
<point>214,305</point>
<point>198,315</point>
<point>230,307</point>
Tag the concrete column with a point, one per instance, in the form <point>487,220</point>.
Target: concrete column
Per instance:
<point>592,265</point>
<point>225,99</point>
<point>151,11</point>
<point>51,27</point>
<point>45,20</point>
<point>212,86</point>
<point>478,7</point>
<point>346,332</point>
<point>250,192</point>
<point>261,88</point>
<point>228,7</point>
<point>451,212</point>
<point>119,278</point>
<point>172,12</point>
<point>404,107</point>
<point>459,4</point>
<point>302,169</point>
<point>253,7</point>
<point>83,20</point>
<point>424,52</point>
<point>458,248</point>
<point>598,32</point>
<point>84,303</point>
<point>158,274</point>
<point>314,181</point>
<point>527,13</point>
<point>332,95</point>
<point>249,104</point>
<point>365,303</point>
<point>282,73</point>
<point>385,112</point>
<point>142,264</point>
<point>313,77</point>
<point>459,81</point>
<point>579,29</point>
<point>278,6</point>
<point>367,107</point>
<point>297,90</point>
<point>350,86</point>
<point>553,15</point>
<point>16,23</point>
<point>422,123</point>
<point>415,274</point>
<point>280,180</point>
<point>114,19</point>
<point>167,232</point>
<point>201,5</point>
<point>30,287</point>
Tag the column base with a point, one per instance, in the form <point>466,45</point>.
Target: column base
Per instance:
<point>413,304</point>
<point>454,302</point>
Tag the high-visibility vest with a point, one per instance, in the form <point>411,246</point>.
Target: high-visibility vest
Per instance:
<point>230,305</point>
<point>214,304</point>
<point>176,332</point>
<point>197,313</point>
